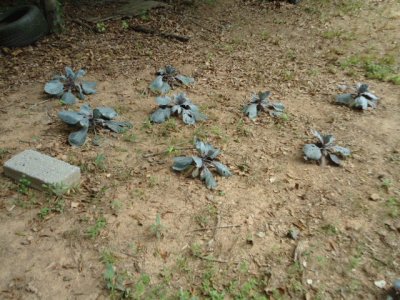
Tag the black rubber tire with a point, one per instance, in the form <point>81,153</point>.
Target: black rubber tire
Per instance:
<point>21,26</point>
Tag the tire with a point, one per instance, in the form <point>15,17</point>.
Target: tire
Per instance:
<point>22,26</point>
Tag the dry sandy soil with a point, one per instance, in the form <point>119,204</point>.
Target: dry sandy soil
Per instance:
<point>102,240</point>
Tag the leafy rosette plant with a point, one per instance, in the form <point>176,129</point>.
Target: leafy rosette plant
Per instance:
<point>179,105</point>
<point>66,86</point>
<point>260,103</point>
<point>88,118</point>
<point>325,149</point>
<point>362,99</point>
<point>199,166</point>
<point>167,79</point>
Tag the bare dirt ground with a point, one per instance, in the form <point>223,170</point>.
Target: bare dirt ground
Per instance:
<point>103,241</point>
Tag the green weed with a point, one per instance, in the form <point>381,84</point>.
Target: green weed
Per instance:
<point>3,152</point>
<point>100,162</point>
<point>124,25</point>
<point>157,229</point>
<point>332,34</point>
<point>108,257</point>
<point>101,27</point>
<point>95,230</point>
<point>130,137</point>
<point>394,207</point>
<point>330,229</point>
<point>24,185</point>
<point>44,212</point>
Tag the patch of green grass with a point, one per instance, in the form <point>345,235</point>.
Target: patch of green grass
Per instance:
<point>147,125</point>
<point>322,260</point>
<point>386,184</point>
<point>330,229</point>
<point>393,205</point>
<point>115,282</point>
<point>108,257</point>
<point>291,55</point>
<point>124,24</point>
<point>152,181</point>
<point>182,264</point>
<point>201,133</point>
<point>265,35</point>
<point>350,6</point>
<point>116,205</point>
<point>219,133</point>
<point>130,137</point>
<point>24,185</point>
<point>206,216</point>
<point>195,249</point>
<point>101,27</point>
<point>287,75</point>
<point>381,68</point>
<point>354,262</point>
<point>313,72</point>
<point>44,212</point>
<point>354,285</point>
<point>3,152</point>
<point>138,193</point>
<point>95,230</point>
<point>57,189</point>
<point>157,229</point>
<point>166,274</point>
<point>167,127</point>
<point>100,162</point>
<point>58,205</point>
<point>332,34</point>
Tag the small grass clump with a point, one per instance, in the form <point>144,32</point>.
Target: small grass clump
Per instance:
<point>381,68</point>
<point>95,230</point>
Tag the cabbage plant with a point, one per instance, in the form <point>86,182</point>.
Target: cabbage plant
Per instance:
<point>68,85</point>
<point>167,78</point>
<point>179,105</point>
<point>260,103</point>
<point>88,118</point>
<point>361,99</point>
<point>199,166</point>
<point>325,149</point>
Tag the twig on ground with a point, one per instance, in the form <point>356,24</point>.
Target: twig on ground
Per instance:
<point>166,35</point>
<point>212,259</point>
<point>82,23</point>
<point>36,104</point>
<point>216,227</point>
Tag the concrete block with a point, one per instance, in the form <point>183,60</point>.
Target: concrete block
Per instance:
<point>41,169</point>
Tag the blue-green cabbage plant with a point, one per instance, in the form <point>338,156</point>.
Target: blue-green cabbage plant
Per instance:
<point>199,166</point>
<point>260,103</point>
<point>361,99</point>
<point>88,118</point>
<point>66,86</point>
<point>179,105</point>
<point>324,149</point>
<point>167,78</point>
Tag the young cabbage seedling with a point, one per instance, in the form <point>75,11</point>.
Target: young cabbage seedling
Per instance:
<point>361,99</point>
<point>198,166</point>
<point>167,79</point>
<point>179,105</point>
<point>88,118</point>
<point>325,149</point>
<point>65,86</point>
<point>260,103</point>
